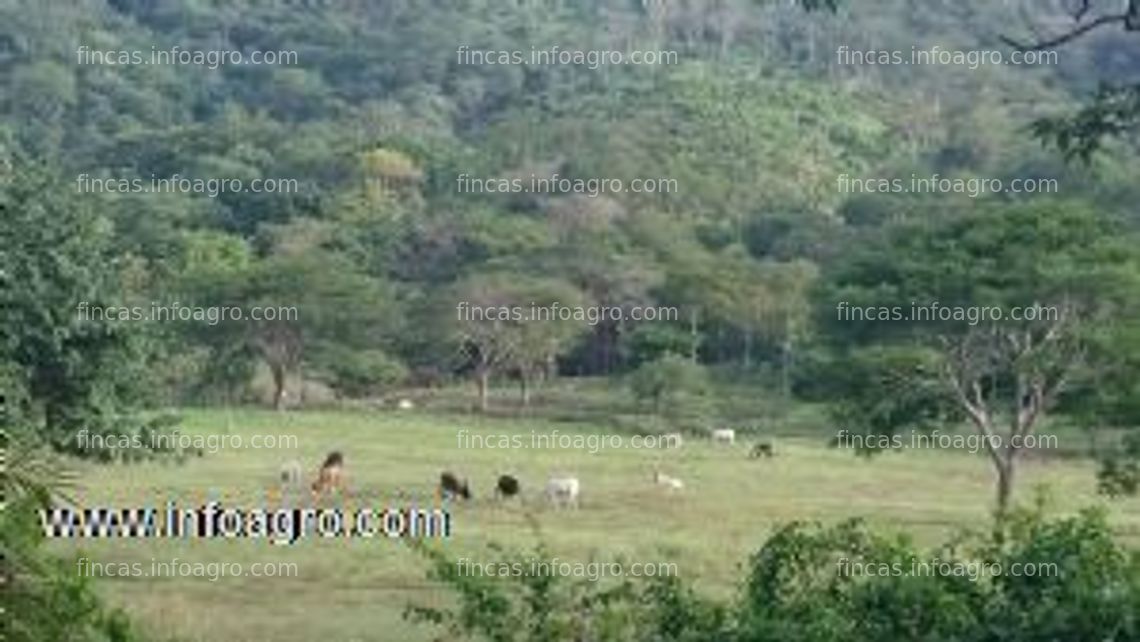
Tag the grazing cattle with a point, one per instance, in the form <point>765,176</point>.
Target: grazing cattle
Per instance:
<point>724,435</point>
<point>507,487</point>
<point>450,487</point>
<point>761,449</point>
<point>672,483</point>
<point>563,491</point>
<point>331,475</point>
<point>291,473</point>
<point>405,404</point>
<point>672,440</point>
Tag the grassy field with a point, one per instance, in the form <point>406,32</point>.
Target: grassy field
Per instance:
<point>358,589</point>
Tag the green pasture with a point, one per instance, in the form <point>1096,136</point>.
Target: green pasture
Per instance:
<point>358,589</point>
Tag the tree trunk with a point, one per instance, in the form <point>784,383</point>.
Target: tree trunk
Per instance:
<point>524,388</point>
<point>482,375</point>
<point>1094,442</point>
<point>694,332</point>
<point>785,369</point>
<point>1005,474</point>
<point>1003,457</point>
<point>601,358</point>
<point>748,348</point>
<point>278,386</point>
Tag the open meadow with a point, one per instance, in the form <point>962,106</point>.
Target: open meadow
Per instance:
<point>352,589</point>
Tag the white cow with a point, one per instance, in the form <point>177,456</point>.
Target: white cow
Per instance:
<point>563,491</point>
<point>724,435</point>
<point>672,483</point>
<point>405,404</point>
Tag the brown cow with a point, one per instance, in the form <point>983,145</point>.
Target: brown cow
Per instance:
<point>331,475</point>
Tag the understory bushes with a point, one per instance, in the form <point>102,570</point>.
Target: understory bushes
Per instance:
<point>1029,579</point>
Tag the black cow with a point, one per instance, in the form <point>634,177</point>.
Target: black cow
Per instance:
<point>450,486</point>
<point>507,487</point>
<point>761,449</point>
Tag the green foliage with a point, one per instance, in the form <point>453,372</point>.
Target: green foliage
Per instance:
<point>364,372</point>
<point>1119,472</point>
<point>652,341</point>
<point>1094,594</point>
<point>44,597</point>
<point>887,390</point>
<point>502,323</point>
<point>509,602</point>
<point>801,586</point>
<point>1029,579</point>
<point>1056,282</point>
<point>1111,113</point>
<point>753,122</point>
<point>75,370</point>
<point>806,584</point>
<point>668,382</point>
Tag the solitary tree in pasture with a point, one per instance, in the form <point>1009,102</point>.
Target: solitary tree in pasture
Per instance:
<point>1015,297</point>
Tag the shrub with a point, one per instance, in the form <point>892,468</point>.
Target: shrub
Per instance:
<point>651,341</point>
<point>843,583</point>
<point>668,381</point>
<point>44,597</point>
<point>1084,586</point>
<point>1119,472</point>
<point>359,373</point>
<point>516,606</point>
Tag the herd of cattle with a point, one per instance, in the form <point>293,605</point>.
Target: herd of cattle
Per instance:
<point>560,491</point>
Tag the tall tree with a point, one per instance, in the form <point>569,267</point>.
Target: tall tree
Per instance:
<point>506,322</point>
<point>79,366</point>
<point>1019,292</point>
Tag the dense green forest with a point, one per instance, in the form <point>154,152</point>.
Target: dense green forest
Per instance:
<point>753,130</point>
<point>377,120</point>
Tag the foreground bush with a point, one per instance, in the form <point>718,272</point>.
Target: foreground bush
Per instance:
<point>44,597</point>
<point>843,583</point>
<point>1085,587</point>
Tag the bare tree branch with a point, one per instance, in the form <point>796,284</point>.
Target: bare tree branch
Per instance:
<point>1081,11</point>
<point>968,391</point>
<point>1130,19</point>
